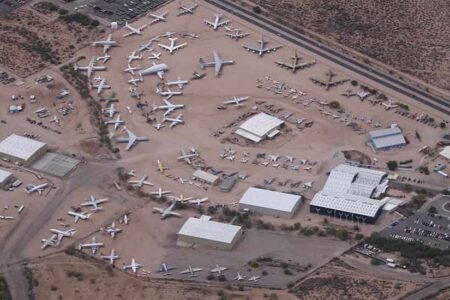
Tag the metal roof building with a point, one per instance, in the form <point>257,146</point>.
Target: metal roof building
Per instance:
<point>209,233</point>
<point>205,177</point>
<point>5,176</point>
<point>259,127</point>
<point>21,149</point>
<point>388,138</point>
<point>272,203</point>
<point>445,153</point>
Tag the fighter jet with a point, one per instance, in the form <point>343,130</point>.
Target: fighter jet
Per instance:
<point>216,23</point>
<point>131,140</point>
<point>186,9</point>
<point>90,68</point>
<point>101,85</point>
<point>295,65</point>
<point>159,193</point>
<point>141,182</point>
<point>157,69</point>
<point>158,18</point>
<point>236,100</point>
<point>108,43</point>
<point>94,202</point>
<point>261,49</point>
<point>174,121</point>
<point>133,31</point>
<point>165,269</point>
<point>217,62</point>
<point>168,106</point>
<point>134,266</point>
<point>36,188</point>
<point>179,82</point>
<point>79,216</point>
<point>172,47</point>
<point>131,69</point>
<point>191,271</point>
<point>94,246</point>
<point>111,258</point>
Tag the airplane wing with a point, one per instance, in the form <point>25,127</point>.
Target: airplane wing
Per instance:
<point>179,46</point>
<point>249,48</point>
<point>158,209</point>
<point>165,47</point>
<point>128,33</point>
<point>271,49</point>
<point>160,74</point>
<point>106,47</point>
<point>186,271</point>
<point>131,139</point>
<point>167,102</point>
<point>208,22</point>
<point>175,214</point>
<point>321,83</point>
<point>285,65</point>
<point>223,23</point>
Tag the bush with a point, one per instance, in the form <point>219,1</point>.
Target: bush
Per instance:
<point>432,210</point>
<point>257,9</point>
<point>354,83</point>
<point>375,262</point>
<point>392,165</point>
<point>334,105</point>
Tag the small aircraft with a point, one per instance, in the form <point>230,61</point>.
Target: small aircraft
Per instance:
<point>125,219</point>
<point>108,43</point>
<point>168,94</point>
<point>103,58</point>
<point>198,201</point>
<point>161,168</point>
<point>261,49</point>
<point>179,82</point>
<point>239,277</point>
<point>157,69</point>
<point>148,45</point>
<point>216,23</point>
<point>388,105</point>
<point>218,269</point>
<point>52,241</point>
<point>36,188</point>
<point>94,245</point>
<point>131,69</point>
<point>133,30</point>
<point>329,83</point>
<point>159,193</point>
<point>90,68</point>
<point>191,271</point>
<point>158,18</point>
<point>180,198</point>
<point>186,157</point>
<point>158,126</point>
<point>254,278</point>
<point>308,185</point>
<point>131,140</point>
<point>141,182</point>
<point>94,202</point>
<point>236,100</point>
<point>362,95</point>
<point>165,269</point>
<point>134,266</point>
<point>235,34</point>
<point>117,122</point>
<point>63,233</point>
<point>217,62</point>
<point>197,76</point>
<point>155,55</point>
<point>295,65</point>
<point>79,216</point>
<point>168,106</point>
<point>186,9</point>
<point>112,257</point>
<point>101,85</point>
<point>172,47</point>
<point>174,121</point>
<point>133,56</point>
<point>167,212</point>
<point>134,81</point>
<point>113,230</point>
<point>111,111</point>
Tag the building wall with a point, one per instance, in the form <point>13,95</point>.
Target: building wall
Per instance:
<point>28,162</point>
<point>187,239</point>
<point>268,211</point>
<point>344,215</point>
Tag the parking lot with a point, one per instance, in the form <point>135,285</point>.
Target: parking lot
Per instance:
<point>432,230</point>
<point>116,10</point>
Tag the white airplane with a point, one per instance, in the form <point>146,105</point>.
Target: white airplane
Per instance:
<point>388,105</point>
<point>174,121</point>
<point>79,216</point>
<point>63,233</point>
<point>131,69</point>
<point>158,18</point>
<point>216,23</point>
<point>112,257</point>
<point>239,277</point>
<point>261,49</point>
<point>159,193</point>
<point>155,55</point>
<point>125,219</point>
<point>141,182</point>
<point>164,268</point>
<point>181,198</point>
<point>36,188</point>
<point>236,101</point>
<point>94,245</point>
<point>198,201</point>
<point>117,122</point>
<point>52,241</point>
<point>186,157</point>
<point>133,30</point>
<point>134,81</point>
<point>218,269</point>
<point>157,69</point>
<point>108,43</point>
<point>133,56</point>
<point>158,126</point>
<point>191,271</point>
<point>179,82</point>
<point>111,111</point>
<point>235,34</point>
<point>131,140</point>
<point>295,65</point>
<point>113,230</point>
<point>362,95</point>
<point>168,94</point>
<point>90,68</point>
<point>217,62</point>
<point>167,212</point>
<point>94,202</point>
<point>254,278</point>
<point>148,46</point>
<point>172,47</point>
<point>308,185</point>
<point>134,266</point>
<point>101,85</point>
<point>103,58</point>
<point>169,107</point>
<point>186,9</point>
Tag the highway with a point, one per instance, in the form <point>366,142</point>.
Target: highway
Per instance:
<point>301,40</point>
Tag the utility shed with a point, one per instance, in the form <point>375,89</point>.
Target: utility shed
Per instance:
<point>259,127</point>
<point>205,177</point>
<point>208,233</point>
<point>228,183</point>
<point>445,153</point>
<point>5,177</point>
<point>271,203</point>
<point>21,149</point>
<point>388,138</point>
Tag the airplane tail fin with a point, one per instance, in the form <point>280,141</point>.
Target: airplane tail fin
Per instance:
<point>202,63</point>
<point>76,66</point>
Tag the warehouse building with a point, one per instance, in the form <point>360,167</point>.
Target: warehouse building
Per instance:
<point>350,193</point>
<point>271,203</point>
<point>260,127</point>
<point>202,231</point>
<point>205,177</point>
<point>5,177</point>
<point>19,149</point>
<point>388,138</point>
<point>445,153</point>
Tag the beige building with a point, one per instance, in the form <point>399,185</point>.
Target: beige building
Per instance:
<point>205,177</point>
<point>19,149</point>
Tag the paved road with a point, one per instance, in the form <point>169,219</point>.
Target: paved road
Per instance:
<point>435,102</point>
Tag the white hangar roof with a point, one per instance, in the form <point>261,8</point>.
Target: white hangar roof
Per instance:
<point>209,230</point>
<point>20,147</point>
<point>258,126</point>
<point>4,175</point>
<point>270,199</point>
<point>445,152</point>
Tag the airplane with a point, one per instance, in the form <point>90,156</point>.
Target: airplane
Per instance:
<point>329,83</point>
<point>186,157</point>
<point>131,140</point>
<point>197,76</point>
<point>348,93</point>
<point>174,121</point>
<point>181,198</point>
<point>159,193</point>
<point>261,49</point>
<point>172,47</point>
<point>239,277</point>
<point>236,101</point>
<point>36,188</point>
<point>216,23</point>
<point>101,86</point>
<point>94,245</point>
<point>55,119</point>
<point>112,257</point>
<point>158,126</point>
<point>113,230</point>
<point>155,55</point>
<point>108,43</point>
<point>168,106</point>
<point>157,69</point>
<point>52,241</point>
<point>254,278</point>
<point>133,30</point>
<point>218,269</point>
<point>103,58</point>
<point>218,63</point>
<point>388,105</point>
<point>308,185</point>
<point>90,68</point>
<point>133,56</point>
<point>125,219</point>
<point>79,216</point>
<point>235,34</point>
<point>158,18</point>
<point>147,46</point>
<point>191,271</point>
<point>179,82</point>
<point>186,9</point>
<point>295,65</point>
<point>131,69</point>
<point>167,212</point>
<point>134,81</point>
<point>63,233</point>
<point>117,122</point>
<point>94,202</point>
<point>161,168</point>
<point>141,182</point>
<point>168,94</point>
<point>362,95</point>
<point>134,266</point>
<point>111,111</point>
<point>198,201</point>
<point>165,269</point>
